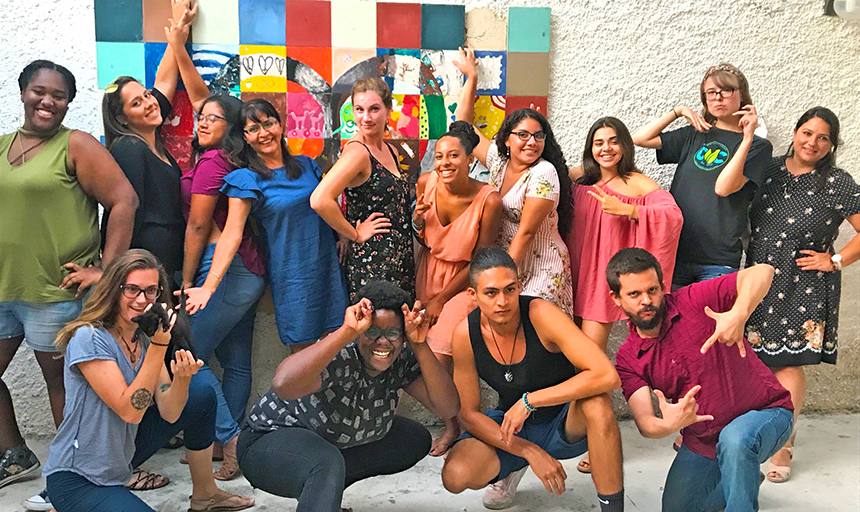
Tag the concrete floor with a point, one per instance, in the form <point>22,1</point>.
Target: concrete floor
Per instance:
<point>826,477</point>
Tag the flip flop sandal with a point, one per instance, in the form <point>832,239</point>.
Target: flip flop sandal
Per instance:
<point>145,481</point>
<point>584,465</point>
<point>222,501</point>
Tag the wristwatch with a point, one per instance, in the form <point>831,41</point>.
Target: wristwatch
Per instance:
<point>836,259</point>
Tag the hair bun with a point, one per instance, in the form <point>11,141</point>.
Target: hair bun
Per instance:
<point>466,129</point>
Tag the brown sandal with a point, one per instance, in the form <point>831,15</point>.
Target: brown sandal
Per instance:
<point>145,481</point>
<point>221,501</point>
<point>584,465</point>
<point>230,468</point>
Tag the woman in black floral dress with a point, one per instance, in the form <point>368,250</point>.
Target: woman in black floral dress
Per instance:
<point>795,222</point>
<point>378,205</point>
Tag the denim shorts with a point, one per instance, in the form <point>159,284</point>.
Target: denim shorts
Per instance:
<point>548,435</point>
<point>38,323</point>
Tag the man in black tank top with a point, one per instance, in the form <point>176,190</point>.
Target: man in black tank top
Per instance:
<point>553,384</point>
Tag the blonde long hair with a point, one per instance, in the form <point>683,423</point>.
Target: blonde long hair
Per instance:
<point>102,307</point>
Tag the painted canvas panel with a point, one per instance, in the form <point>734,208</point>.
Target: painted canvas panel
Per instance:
<point>528,29</point>
<point>307,115</point>
<point>119,20</point>
<point>308,23</point>
<point>218,64</point>
<point>277,99</point>
<point>405,113</point>
<point>217,22</point>
<point>263,68</point>
<point>117,59</point>
<point>309,69</point>
<point>262,22</point>
<point>396,23</point>
<point>485,30</point>
<point>353,24</point>
<point>492,73</point>
<point>180,122</point>
<point>527,74</point>
<point>349,65</point>
<point>448,79</point>
<point>401,70</point>
<point>155,16</point>
<point>514,102</point>
<point>489,114</point>
<point>443,27</point>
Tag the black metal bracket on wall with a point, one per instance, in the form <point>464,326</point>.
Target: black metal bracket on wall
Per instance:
<point>828,8</point>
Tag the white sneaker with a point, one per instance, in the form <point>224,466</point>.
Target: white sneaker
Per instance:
<point>501,494</point>
<point>38,502</point>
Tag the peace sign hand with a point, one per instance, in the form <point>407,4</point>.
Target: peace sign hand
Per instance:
<point>610,204</point>
<point>681,414</point>
<point>729,330</point>
<point>416,326</point>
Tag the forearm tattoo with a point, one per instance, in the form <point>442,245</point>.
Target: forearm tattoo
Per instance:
<point>164,387</point>
<point>141,399</point>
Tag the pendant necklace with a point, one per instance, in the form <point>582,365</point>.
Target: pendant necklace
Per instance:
<point>132,353</point>
<point>509,375</point>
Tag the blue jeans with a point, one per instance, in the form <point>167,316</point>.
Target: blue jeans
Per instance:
<point>70,492</point>
<point>225,327</point>
<point>731,481</point>
<point>689,273</point>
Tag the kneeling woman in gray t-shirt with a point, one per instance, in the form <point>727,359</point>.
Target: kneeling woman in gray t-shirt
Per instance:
<point>113,373</point>
<point>329,419</point>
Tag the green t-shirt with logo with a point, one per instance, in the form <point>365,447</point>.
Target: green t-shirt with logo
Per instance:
<point>713,225</point>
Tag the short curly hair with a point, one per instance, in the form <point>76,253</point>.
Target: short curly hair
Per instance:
<point>384,295</point>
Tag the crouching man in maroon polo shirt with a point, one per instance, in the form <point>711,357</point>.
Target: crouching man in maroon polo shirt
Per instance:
<point>688,347</point>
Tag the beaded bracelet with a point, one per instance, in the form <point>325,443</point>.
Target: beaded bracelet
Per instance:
<point>527,404</point>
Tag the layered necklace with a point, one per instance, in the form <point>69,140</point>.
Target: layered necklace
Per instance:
<point>132,352</point>
<point>43,137</point>
<point>509,375</point>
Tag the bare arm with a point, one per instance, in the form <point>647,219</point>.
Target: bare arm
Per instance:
<point>177,35</point>
<point>535,210</point>
<point>851,252</point>
<point>197,231</point>
<point>649,135</point>
<point>171,397</point>
<point>731,178</point>
<point>435,388</point>
<point>167,75</point>
<point>465,111</point>
<point>675,416</point>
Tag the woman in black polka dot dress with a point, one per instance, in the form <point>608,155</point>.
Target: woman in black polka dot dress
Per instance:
<point>795,222</point>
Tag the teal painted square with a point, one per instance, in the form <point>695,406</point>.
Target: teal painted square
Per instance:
<point>117,59</point>
<point>443,27</point>
<point>119,20</point>
<point>528,29</point>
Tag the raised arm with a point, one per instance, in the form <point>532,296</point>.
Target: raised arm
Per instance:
<point>351,170</point>
<point>103,180</point>
<point>238,210</point>
<point>465,111</point>
<point>649,135</point>
<point>177,35</point>
<point>753,284</point>
<point>731,178</point>
<point>299,374</point>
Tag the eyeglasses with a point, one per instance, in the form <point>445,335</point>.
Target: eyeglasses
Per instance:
<point>525,136</point>
<point>209,118</point>
<point>373,333</point>
<point>266,125</point>
<point>719,93</point>
<point>132,291</point>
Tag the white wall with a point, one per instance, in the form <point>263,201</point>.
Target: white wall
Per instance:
<point>630,59</point>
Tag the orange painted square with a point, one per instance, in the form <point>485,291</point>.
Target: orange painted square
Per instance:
<point>317,58</point>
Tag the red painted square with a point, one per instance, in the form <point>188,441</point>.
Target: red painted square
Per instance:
<point>398,25</point>
<point>308,23</point>
<point>180,122</point>
<point>514,102</point>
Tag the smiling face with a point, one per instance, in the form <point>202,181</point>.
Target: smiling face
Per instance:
<point>721,107</point>
<point>379,354</point>
<point>606,149</point>
<point>451,162</point>
<point>371,115</point>
<point>46,101</point>
<point>812,141</point>
<point>497,292</point>
<point>264,137</point>
<point>140,110</point>
<point>210,133</point>
<point>641,298</point>
<point>525,151</point>
<point>130,308</point>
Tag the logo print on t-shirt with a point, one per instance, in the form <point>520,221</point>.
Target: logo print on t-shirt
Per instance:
<point>711,156</point>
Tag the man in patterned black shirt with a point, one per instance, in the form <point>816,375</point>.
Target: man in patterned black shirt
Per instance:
<point>329,419</point>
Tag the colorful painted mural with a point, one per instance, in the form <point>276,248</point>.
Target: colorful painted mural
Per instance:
<point>304,56</point>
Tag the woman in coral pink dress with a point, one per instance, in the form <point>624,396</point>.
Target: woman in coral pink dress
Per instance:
<point>454,216</point>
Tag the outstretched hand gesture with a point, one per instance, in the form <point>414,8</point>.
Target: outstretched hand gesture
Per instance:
<point>681,414</point>
<point>416,326</point>
<point>729,330</point>
<point>695,120</point>
<point>359,316</point>
<point>467,63</point>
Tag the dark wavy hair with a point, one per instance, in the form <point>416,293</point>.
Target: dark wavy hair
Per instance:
<point>824,166</point>
<point>247,157</point>
<point>34,67</point>
<point>384,295</point>
<point>465,133</point>
<point>626,166</point>
<point>551,153</point>
<point>112,109</point>
<point>233,140</point>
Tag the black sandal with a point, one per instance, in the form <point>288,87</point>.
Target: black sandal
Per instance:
<point>142,480</point>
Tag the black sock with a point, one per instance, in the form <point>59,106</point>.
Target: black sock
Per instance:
<point>611,502</point>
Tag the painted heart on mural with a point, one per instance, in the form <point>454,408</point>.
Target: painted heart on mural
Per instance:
<point>265,62</point>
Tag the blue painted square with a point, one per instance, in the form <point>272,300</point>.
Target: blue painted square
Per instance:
<point>118,59</point>
<point>218,64</point>
<point>263,22</point>
<point>153,53</point>
<point>528,29</point>
<point>119,20</point>
<point>443,27</point>
<point>492,73</point>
